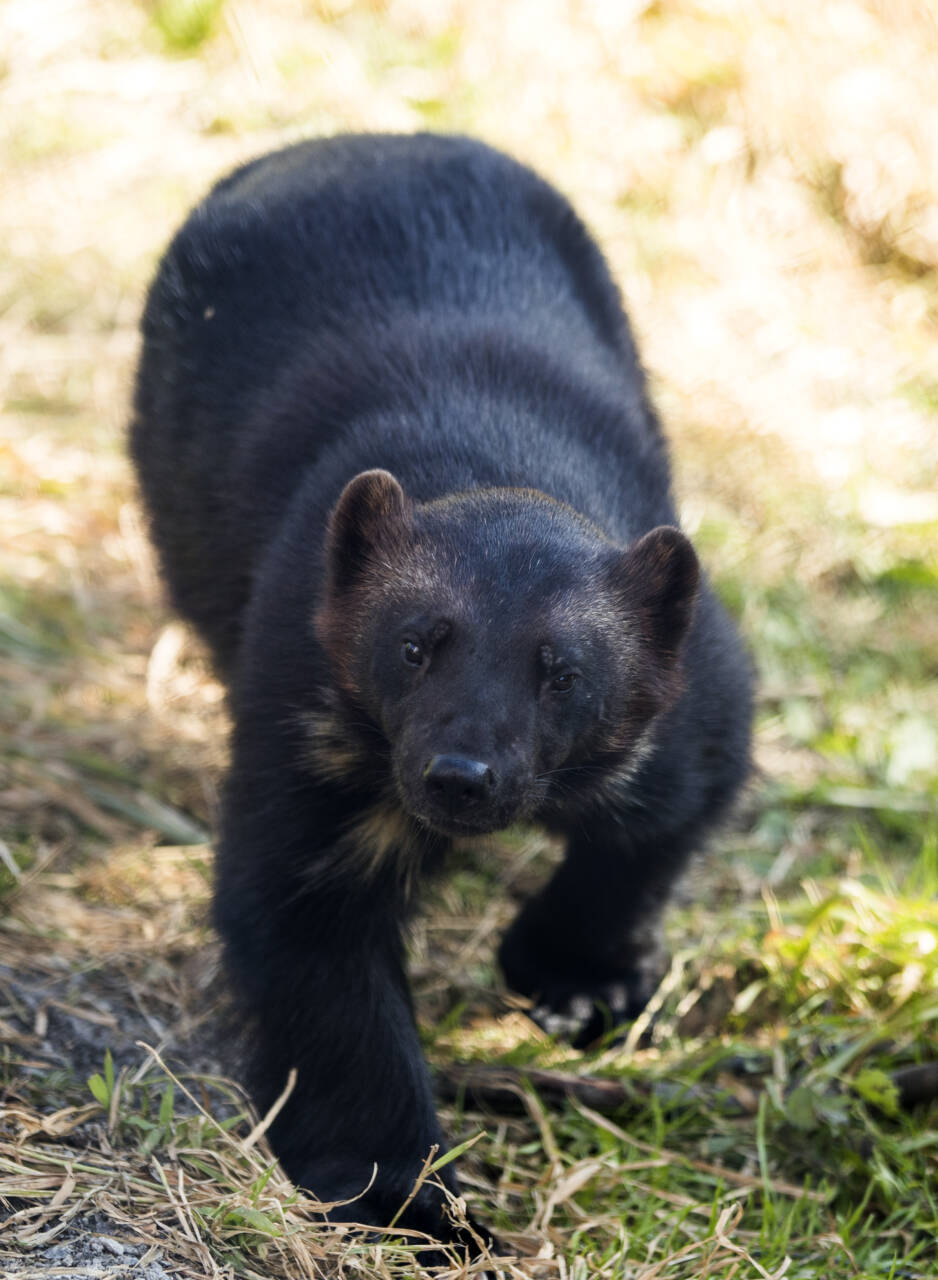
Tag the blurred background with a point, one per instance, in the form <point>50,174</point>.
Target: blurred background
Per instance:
<point>764,180</point>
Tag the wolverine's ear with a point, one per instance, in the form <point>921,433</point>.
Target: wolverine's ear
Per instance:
<point>373,513</point>
<point>657,579</point>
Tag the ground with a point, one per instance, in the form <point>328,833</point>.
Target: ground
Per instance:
<point>764,179</point>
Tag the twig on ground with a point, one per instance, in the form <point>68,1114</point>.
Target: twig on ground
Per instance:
<point>502,1088</point>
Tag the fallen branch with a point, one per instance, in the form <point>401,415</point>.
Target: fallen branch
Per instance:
<point>502,1088</point>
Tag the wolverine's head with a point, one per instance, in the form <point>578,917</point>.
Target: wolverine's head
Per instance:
<point>503,645</point>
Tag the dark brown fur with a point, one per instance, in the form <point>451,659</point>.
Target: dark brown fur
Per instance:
<point>403,475</point>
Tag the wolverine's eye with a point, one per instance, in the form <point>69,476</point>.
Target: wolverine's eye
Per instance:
<point>412,653</point>
<point>564,682</point>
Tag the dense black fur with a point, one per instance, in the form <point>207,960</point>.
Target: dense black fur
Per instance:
<point>426,306</point>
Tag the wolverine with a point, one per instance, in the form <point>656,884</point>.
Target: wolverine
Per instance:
<point>404,478</point>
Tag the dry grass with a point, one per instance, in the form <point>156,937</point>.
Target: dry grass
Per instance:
<point>765,181</point>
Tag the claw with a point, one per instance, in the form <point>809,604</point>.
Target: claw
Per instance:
<point>582,1017</point>
<point>563,1025</point>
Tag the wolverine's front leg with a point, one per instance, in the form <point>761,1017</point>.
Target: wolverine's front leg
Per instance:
<point>315,958</point>
<point>588,949</point>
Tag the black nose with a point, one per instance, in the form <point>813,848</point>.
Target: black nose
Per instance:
<point>458,783</point>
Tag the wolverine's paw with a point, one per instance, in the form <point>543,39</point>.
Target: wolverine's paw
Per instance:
<point>352,1194</point>
<point>575,995</point>
<point>584,1013</point>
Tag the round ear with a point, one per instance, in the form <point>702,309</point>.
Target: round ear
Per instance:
<point>657,578</point>
<point>373,513</point>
